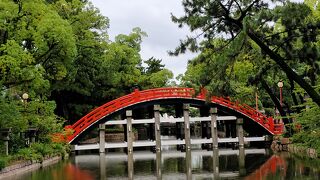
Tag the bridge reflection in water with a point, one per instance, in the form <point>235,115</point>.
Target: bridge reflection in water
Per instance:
<point>195,164</point>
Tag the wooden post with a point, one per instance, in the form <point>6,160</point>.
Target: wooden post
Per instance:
<point>240,132</point>
<point>186,125</point>
<point>129,131</point>
<point>157,131</point>
<point>214,131</point>
<point>102,138</point>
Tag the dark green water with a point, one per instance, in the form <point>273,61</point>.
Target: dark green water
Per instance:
<point>197,164</point>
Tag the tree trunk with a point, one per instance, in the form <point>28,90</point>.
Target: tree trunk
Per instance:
<point>285,67</point>
<point>294,96</point>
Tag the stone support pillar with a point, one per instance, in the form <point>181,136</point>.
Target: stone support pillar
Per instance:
<point>102,138</point>
<point>214,130</point>
<point>240,132</point>
<point>129,131</point>
<point>5,137</point>
<point>186,126</point>
<point>157,131</point>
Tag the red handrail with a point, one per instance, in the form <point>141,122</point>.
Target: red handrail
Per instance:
<point>167,93</point>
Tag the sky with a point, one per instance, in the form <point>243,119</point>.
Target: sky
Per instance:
<point>153,17</point>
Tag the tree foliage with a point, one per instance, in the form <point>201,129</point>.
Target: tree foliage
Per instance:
<point>59,53</point>
<point>280,32</point>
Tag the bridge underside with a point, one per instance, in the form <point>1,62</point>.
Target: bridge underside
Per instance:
<point>250,126</point>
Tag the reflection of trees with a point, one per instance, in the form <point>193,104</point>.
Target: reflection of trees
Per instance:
<point>254,161</point>
<point>228,163</point>
<point>174,165</point>
<point>301,168</point>
<point>144,166</point>
<point>117,169</point>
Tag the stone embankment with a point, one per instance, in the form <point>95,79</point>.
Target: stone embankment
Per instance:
<point>284,144</point>
<point>26,166</point>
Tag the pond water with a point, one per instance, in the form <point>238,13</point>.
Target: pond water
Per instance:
<point>248,164</point>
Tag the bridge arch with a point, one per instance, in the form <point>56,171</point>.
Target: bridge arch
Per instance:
<point>252,117</point>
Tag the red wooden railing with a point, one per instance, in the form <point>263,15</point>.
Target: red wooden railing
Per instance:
<point>166,93</point>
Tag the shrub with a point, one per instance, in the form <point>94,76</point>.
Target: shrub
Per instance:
<point>42,149</point>
<point>3,162</point>
<point>16,142</point>
<point>29,154</point>
<point>36,152</point>
<point>309,133</point>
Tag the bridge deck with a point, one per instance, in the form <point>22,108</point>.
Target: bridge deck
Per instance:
<point>171,120</point>
<point>164,142</point>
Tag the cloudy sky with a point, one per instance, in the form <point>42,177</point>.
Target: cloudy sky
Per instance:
<point>153,17</point>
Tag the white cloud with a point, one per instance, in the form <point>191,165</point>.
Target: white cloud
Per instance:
<point>153,17</point>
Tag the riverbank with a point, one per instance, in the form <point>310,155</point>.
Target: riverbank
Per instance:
<point>27,166</point>
<point>284,144</point>
<point>302,151</point>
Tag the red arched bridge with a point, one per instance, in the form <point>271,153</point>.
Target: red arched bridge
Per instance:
<point>252,117</point>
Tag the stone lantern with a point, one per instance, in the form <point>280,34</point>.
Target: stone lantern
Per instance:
<point>32,133</point>
<point>5,137</point>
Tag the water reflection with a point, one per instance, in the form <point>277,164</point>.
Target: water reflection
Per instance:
<point>217,164</point>
<point>71,172</point>
<point>242,168</point>
<point>158,165</point>
<point>188,164</point>
<point>102,162</point>
<point>273,166</point>
<point>130,165</point>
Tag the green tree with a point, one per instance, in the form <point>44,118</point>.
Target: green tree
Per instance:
<point>154,75</point>
<point>254,19</point>
<point>153,65</point>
